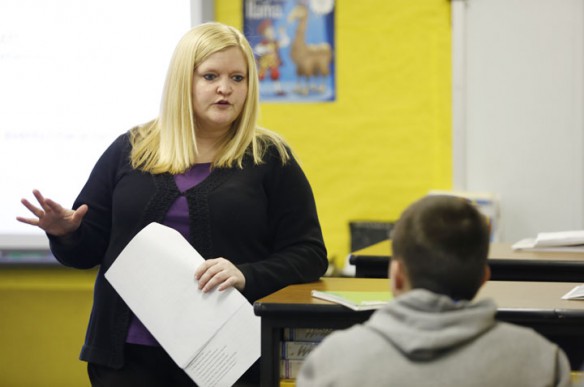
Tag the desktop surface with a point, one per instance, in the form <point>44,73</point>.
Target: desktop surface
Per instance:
<point>505,263</point>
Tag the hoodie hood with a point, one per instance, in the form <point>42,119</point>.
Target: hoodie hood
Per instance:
<point>423,325</point>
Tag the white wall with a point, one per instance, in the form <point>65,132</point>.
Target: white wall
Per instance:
<point>518,110</point>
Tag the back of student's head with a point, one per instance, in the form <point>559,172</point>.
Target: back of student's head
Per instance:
<point>443,244</point>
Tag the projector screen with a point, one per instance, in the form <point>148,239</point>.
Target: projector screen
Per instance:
<point>73,76</point>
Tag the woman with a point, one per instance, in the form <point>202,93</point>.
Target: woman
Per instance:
<point>205,168</point>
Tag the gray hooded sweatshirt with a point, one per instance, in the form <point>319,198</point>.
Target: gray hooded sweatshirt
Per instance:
<point>425,339</point>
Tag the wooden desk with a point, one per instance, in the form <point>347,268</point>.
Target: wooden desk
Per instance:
<point>505,263</point>
<point>533,304</point>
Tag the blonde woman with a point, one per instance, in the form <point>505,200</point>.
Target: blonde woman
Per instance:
<point>234,190</point>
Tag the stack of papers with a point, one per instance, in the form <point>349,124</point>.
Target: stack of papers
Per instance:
<point>562,241</point>
<point>215,337</point>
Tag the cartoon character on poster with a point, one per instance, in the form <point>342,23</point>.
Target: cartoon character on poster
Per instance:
<point>268,54</point>
<point>294,45</point>
<point>312,60</point>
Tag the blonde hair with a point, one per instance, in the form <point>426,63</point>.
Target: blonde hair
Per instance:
<point>168,143</point>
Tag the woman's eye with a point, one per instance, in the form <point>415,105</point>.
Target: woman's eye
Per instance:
<point>209,77</point>
<point>238,78</point>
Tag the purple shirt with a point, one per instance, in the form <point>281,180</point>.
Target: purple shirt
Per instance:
<point>177,217</point>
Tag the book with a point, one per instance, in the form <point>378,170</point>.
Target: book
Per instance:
<point>289,368</point>
<point>305,334</point>
<point>356,300</point>
<point>561,241</point>
<point>576,293</point>
<point>296,350</point>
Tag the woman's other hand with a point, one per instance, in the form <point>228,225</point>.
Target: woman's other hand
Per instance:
<point>220,273</point>
<point>52,217</point>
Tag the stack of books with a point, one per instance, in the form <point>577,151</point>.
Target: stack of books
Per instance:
<point>297,343</point>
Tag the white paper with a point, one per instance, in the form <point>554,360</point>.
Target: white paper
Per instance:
<point>575,294</point>
<point>561,238</point>
<point>154,275</point>
<point>228,355</point>
<point>561,241</point>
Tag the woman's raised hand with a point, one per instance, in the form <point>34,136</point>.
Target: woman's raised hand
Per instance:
<point>51,216</point>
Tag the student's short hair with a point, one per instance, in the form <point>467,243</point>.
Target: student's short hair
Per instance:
<point>443,243</point>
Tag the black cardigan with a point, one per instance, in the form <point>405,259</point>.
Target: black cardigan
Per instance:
<point>262,218</point>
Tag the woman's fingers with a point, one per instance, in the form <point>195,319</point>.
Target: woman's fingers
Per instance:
<point>80,213</point>
<point>220,273</point>
<point>31,207</point>
<point>51,216</point>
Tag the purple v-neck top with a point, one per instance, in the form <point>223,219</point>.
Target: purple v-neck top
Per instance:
<point>177,217</point>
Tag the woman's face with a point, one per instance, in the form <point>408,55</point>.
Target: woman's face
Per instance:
<point>219,90</point>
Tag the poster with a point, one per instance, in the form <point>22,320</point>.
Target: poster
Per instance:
<point>293,42</point>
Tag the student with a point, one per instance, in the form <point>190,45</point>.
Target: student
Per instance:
<point>204,167</point>
<point>432,334</point>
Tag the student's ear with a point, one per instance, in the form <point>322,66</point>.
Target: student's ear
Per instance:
<point>487,275</point>
<point>397,277</point>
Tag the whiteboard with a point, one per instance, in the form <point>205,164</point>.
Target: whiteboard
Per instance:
<point>74,75</point>
<point>521,131</point>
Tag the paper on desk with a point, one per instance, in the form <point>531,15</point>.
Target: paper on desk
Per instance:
<point>576,293</point>
<point>154,275</point>
<point>561,241</point>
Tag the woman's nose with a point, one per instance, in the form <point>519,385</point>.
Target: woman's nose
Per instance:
<point>224,87</point>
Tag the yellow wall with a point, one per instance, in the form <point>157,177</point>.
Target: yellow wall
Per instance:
<point>43,315</point>
<point>386,140</point>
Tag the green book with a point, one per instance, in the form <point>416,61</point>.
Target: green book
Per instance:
<point>356,300</point>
